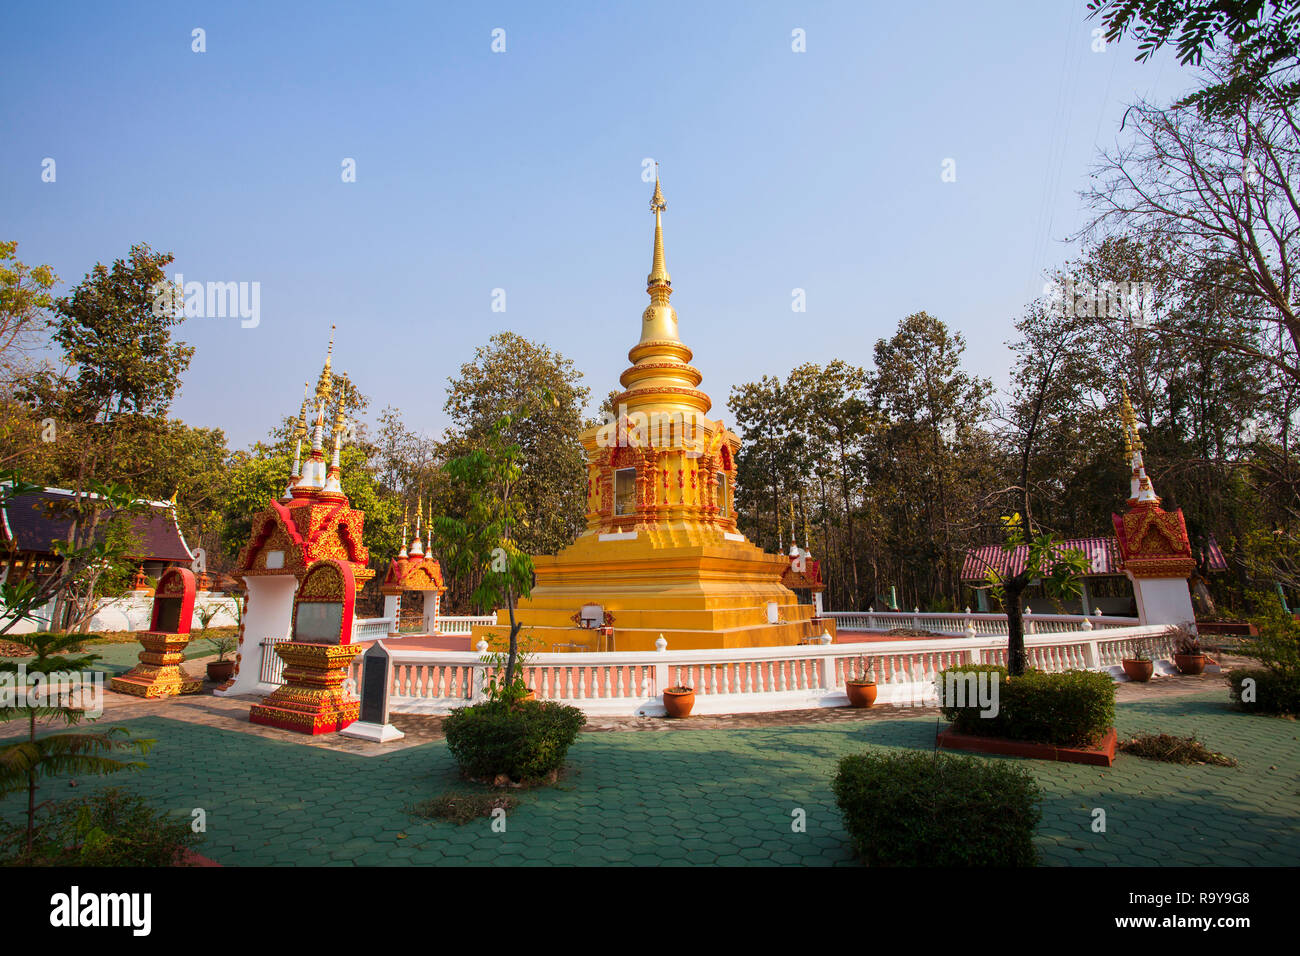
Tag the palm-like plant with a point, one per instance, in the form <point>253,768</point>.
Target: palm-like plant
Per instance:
<point>24,763</point>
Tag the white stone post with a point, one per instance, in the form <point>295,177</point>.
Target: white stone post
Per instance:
<point>392,609</point>
<point>432,608</point>
<point>661,669</point>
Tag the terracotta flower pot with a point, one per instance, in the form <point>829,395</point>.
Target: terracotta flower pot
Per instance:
<point>1189,663</point>
<point>219,671</point>
<point>678,701</point>
<point>531,695</point>
<point>861,693</point>
<point>1139,670</point>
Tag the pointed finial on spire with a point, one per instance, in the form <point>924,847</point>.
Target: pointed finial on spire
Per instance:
<point>417,547</point>
<point>659,277</point>
<point>325,385</point>
<point>1132,439</point>
<point>1140,488</point>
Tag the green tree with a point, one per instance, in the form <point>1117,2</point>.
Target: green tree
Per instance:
<point>504,376</point>
<point>122,369</point>
<point>932,412</point>
<point>1060,569</point>
<point>482,544</point>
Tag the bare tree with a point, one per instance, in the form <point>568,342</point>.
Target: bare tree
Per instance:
<point>1223,188</point>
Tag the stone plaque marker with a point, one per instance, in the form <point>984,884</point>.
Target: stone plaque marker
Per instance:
<point>375,680</point>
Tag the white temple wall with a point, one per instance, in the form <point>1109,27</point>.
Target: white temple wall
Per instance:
<point>1163,601</point>
<point>268,616</point>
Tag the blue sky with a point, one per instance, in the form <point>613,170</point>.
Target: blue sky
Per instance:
<point>522,171</point>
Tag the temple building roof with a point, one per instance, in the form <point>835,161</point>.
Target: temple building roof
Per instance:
<point>1102,552</point>
<point>34,522</point>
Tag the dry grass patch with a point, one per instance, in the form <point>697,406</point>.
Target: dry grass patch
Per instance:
<point>462,808</point>
<point>1171,749</point>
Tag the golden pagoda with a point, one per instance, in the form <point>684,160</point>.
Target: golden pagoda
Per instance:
<point>660,554</point>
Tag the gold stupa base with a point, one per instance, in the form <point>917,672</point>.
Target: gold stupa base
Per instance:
<point>159,672</point>
<point>312,699</point>
<point>712,594</point>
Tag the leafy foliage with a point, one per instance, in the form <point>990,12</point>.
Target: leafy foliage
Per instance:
<point>109,828</point>
<point>1264,36</point>
<point>935,810</point>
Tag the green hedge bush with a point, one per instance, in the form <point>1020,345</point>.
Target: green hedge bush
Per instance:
<point>1275,692</point>
<point>1069,708</point>
<point>925,809</point>
<point>525,740</point>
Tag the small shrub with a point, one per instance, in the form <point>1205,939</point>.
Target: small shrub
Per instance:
<point>1170,749</point>
<point>525,740</point>
<point>923,809</point>
<point>1273,692</point>
<point>109,828</point>
<point>1069,708</point>
<point>462,808</point>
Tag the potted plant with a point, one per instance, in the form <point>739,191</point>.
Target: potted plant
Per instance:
<point>222,669</point>
<point>680,698</point>
<point>1139,667</point>
<point>1189,658</point>
<point>861,689</point>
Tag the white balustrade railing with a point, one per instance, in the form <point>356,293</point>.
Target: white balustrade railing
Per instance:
<point>370,628</point>
<point>746,680</point>
<point>464,625</point>
<point>949,623</point>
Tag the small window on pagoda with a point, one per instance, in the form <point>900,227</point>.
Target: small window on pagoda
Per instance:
<point>722,494</point>
<point>625,491</point>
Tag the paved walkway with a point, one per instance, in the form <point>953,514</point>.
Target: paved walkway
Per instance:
<point>707,791</point>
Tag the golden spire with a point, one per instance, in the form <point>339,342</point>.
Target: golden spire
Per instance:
<point>659,320</point>
<point>659,276</point>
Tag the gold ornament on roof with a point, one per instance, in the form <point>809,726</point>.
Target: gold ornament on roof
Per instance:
<point>339,414</point>
<point>300,427</point>
<point>325,384</point>
<point>1128,418</point>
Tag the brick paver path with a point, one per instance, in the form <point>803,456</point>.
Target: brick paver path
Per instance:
<point>712,794</point>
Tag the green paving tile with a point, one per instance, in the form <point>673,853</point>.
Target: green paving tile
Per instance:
<point>710,796</point>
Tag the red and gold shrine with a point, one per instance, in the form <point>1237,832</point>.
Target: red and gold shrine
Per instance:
<point>312,699</point>
<point>159,672</point>
<point>413,570</point>
<point>1153,542</point>
<point>312,521</point>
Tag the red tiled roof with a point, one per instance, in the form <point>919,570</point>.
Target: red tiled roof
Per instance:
<point>35,522</point>
<point>1102,553</point>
